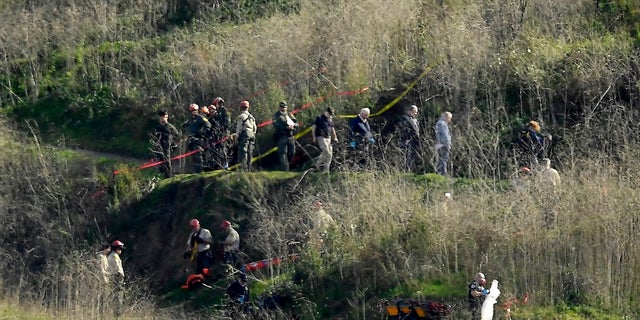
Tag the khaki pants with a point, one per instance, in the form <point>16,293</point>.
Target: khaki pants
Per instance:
<point>324,161</point>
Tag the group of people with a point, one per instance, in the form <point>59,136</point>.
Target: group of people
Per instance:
<point>112,273</point>
<point>200,246</point>
<point>208,130</point>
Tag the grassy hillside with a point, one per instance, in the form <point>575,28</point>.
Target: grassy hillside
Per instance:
<point>91,74</point>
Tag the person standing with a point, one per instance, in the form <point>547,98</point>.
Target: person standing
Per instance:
<point>285,126</point>
<point>166,136</point>
<point>103,262</point>
<point>231,244</point>
<point>410,137</point>
<point>443,142</point>
<point>199,246</point>
<point>361,136</point>
<point>360,129</point>
<point>476,294</point>
<point>198,126</point>
<point>323,132</point>
<point>246,129</point>
<point>116,275</point>
<point>221,132</point>
<point>103,275</point>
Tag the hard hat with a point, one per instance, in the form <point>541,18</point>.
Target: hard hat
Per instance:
<point>283,104</point>
<point>204,109</point>
<point>480,275</point>
<point>194,223</point>
<point>217,101</point>
<point>212,108</point>
<point>193,107</point>
<point>244,104</point>
<point>117,244</point>
<point>225,224</point>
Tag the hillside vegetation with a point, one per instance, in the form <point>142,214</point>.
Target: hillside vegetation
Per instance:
<point>91,74</point>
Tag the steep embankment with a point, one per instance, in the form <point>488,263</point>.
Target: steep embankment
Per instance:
<point>156,227</point>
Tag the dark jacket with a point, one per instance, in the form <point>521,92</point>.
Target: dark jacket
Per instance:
<point>280,124</point>
<point>198,125</point>
<point>237,290</point>
<point>166,135</point>
<point>360,130</point>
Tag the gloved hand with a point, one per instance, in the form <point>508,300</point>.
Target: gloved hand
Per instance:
<point>186,254</point>
<point>372,140</point>
<point>353,144</point>
<point>485,292</point>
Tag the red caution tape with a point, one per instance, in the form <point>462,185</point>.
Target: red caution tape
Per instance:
<point>252,266</point>
<point>263,124</point>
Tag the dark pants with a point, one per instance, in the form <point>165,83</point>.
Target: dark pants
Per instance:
<point>165,166</point>
<point>475,306</point>
<point>231,257</point>
<point>411,155</point>
<point>245,151</point>
<point>117,291</point>
<point>286,150</point>
<point>203,260</point>
<point>198,158</point>
<point>219,153</point>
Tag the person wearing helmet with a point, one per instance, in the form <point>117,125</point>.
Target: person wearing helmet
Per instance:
<point>231,243</point>
<point>476,295</point>
<point>285,126</point>
<point>199,246</point>
<point>197,125</point>
<point>246,129</point>
<point>166,136</point>
<point>116,275</point>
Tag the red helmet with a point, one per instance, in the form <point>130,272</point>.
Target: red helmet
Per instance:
<point>117,244</point>
<point>194,223</point>
<point>217,101</point>
<point>204,109</point>
<point>193,107</point>
<point>225,224</point>
<point>244,104</point>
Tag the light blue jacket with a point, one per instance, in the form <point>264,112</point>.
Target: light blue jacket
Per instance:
<point>442,133</point>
